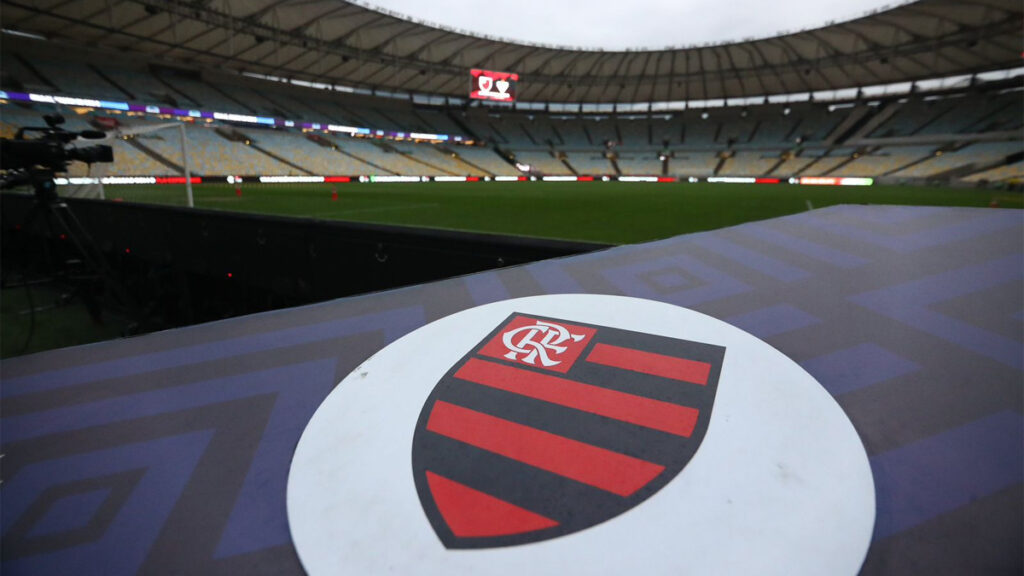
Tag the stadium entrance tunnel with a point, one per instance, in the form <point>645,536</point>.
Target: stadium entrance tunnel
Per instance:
<point>181,266</point>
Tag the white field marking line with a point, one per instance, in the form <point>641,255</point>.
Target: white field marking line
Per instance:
<point>334,215</point>
<point>387,208</point>
<point>809,205</point>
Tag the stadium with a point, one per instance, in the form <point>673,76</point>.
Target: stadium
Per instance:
<point>326,179</point>
<point>926,94</point>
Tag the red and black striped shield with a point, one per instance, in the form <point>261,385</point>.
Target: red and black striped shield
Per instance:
<point>550,426</point>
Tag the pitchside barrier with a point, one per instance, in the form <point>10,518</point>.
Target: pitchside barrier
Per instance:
<point>70,184</point>
<point>94,183</point>
<point>259,258</point>
<point>363,179</point>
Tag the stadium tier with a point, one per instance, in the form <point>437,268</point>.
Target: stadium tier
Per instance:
<point>748,163</point>
<point>543,162</point>
<point>1007,172</point>
<point>635,132</point>
<point>321,156</point>
<point>966,134</point>
<point>486,160</point>
<point>440,162</point>
<point>589,163</point>
<point>827,163</point>
<point>982,156</point>
<point>639,165</point>
<point>693,163</point>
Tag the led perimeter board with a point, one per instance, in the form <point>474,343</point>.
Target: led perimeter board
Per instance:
<point>490,85</point>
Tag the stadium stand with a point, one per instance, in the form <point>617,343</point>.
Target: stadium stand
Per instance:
<point>76,79</point>
<point>635,132</point>
<point>541,131</point>
<point>203,95</point>
<point>486,159</point>
<point>314,158</point>
<point>882,161</point>
<point>980,155</point>
<point>297,108</point>
<point>141,86</point>
<point>726,143</point>
<point>130,161</point>
<point>646,165</point>
<point>602,130</point>
<point>693,163</point>
<point>748,164</point>
<point>13,117</point>
<point>589,163</point>
<point>952,133</point>
<point>666,131</point>
<point>827,163</point>
<point>1009,172</point>
<point>817,122</point>
<point>435,163</point>
<point>793,166</point>
<point>954,114</point>
<point>438,122</point>
<point>209,152</point>
<point>913,116</point>
<point>543,162</point>
<point>697,133</point>
<point>774,130</point>
<point>16,73</point>
<point>388,157</point>
<point>570,133</point>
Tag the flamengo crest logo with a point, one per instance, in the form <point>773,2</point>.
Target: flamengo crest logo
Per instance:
<point>584,433</point>
<point>523,340</point>
<point>548,427</point>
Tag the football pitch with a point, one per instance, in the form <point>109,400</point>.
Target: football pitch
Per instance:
<point>608,212</point>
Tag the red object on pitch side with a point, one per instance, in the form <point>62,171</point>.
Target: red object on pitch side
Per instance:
<point>238,191</point>
<point>334,195</point>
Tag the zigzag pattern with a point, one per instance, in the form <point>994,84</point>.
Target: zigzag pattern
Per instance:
<point>169,453</point>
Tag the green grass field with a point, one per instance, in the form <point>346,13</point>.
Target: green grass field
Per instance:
<point>610,212</point>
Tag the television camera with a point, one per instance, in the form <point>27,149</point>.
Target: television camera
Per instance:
<point>36,160</point>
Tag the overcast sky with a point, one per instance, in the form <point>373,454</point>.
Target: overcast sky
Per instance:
<point>616,24</point>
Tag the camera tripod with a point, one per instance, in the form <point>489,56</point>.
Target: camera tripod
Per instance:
<point>86,270</point>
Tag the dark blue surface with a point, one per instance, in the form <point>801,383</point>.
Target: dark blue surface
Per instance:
<point>169,453</point>
<point>920,481</point>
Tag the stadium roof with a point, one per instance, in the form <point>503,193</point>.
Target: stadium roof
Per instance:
<point>343,43</point>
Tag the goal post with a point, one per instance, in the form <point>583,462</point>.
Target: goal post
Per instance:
<point>146,170</point>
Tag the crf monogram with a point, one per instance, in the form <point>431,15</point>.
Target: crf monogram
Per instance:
<point>553,335</point>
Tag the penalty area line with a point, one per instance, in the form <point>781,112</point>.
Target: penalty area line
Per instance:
<point>334,215</point>
<point>387,208</point>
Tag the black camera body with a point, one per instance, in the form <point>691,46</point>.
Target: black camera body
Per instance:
<point>49,153</point>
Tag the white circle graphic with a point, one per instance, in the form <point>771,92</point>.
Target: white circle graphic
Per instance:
<point>780,485</point>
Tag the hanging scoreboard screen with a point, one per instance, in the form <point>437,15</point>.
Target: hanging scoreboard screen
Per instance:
<point>490,85</point>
